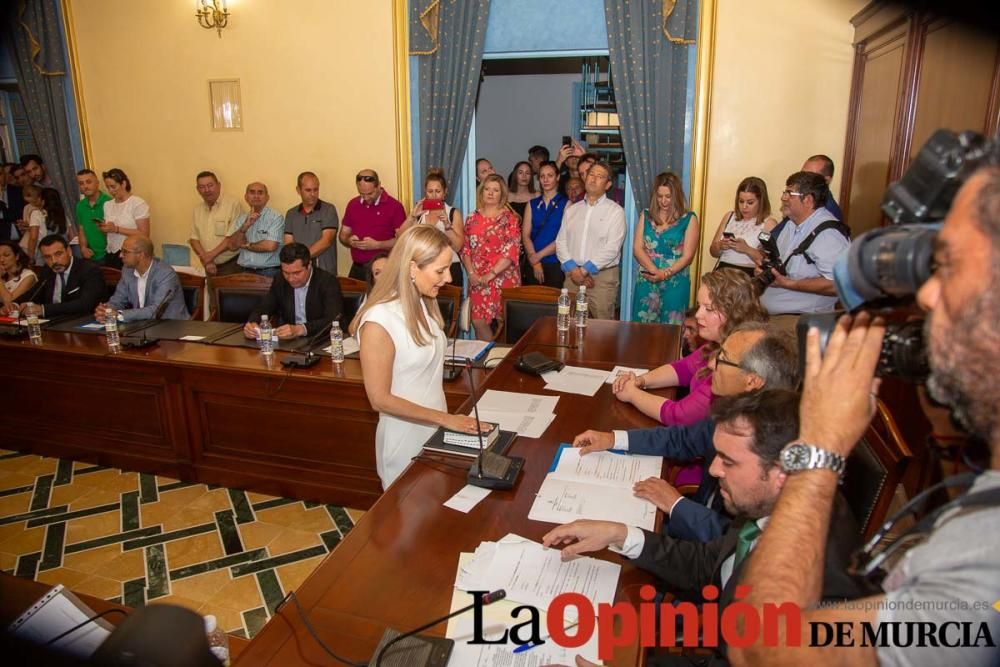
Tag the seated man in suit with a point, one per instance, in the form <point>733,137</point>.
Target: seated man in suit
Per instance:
<point>66,286</point>
<point>302,301</point>
<point>146,286</point>
<point>751,430</point>
<point>750,358</point>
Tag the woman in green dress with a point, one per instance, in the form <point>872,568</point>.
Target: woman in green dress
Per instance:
<point>666,239</point>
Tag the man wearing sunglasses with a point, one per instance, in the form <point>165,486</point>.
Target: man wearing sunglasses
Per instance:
<point>371,221</point>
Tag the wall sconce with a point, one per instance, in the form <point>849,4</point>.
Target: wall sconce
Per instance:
<point>212,14</point>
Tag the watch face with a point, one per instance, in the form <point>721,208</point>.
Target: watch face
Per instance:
<point>795,457</point>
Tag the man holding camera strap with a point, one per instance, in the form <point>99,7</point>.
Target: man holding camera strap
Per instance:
<point>808,243</point>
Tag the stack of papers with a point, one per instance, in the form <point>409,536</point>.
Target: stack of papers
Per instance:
<point>461,350</point>
<point>575,380</point>
<point>596,486</point>
<point>528,415</point>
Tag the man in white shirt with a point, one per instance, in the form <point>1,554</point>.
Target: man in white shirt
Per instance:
<point>589,244</point>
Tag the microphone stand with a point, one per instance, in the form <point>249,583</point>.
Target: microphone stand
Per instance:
<point>452,371</point>
<point>309,358</point>
<point>509,467</point>
<point>131,344</point>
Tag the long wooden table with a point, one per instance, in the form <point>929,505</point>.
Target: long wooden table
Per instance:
<point>200,413</point>
<point>397,566</point>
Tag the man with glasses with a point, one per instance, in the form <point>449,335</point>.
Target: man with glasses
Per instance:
<point>371,221</point>
<point>748,359</point>
<point>314,223</point>
<point>146,285</point>
<point>803,283</point>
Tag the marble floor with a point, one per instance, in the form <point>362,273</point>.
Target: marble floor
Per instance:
<point>137,538</point>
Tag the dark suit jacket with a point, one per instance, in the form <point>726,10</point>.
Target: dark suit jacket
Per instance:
<point>81,292</point>
<point>701,517</point>
<point>685,566</point>
<point>324,302</point>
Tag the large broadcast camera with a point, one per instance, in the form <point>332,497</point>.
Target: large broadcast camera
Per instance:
<point>883,268</point>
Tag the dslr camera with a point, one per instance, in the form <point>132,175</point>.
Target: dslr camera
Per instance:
<point>772,260</point>
<point>883,268</point>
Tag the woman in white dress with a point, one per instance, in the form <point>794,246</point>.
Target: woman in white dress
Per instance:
<point>400,330</point>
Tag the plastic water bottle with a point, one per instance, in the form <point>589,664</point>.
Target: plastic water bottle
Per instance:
<point>111,329</point>
<point>34,329</point>
<point>562,312</point>
<point>581,307</point>
<point>265,336</point>
<point>336,342</point>
<point>218,641</point>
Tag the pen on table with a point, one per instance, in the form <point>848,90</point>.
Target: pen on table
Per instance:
<point>525,647</point>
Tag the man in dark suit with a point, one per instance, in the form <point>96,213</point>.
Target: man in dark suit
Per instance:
<point>750,358</point>
<point>751,430</point>
<point>303,300</point>
<point>67,286</point>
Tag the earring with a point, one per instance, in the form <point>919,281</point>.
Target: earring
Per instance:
<point>413,279</point>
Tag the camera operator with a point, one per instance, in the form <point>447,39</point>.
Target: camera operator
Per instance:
<point>954,575</point>
<point>808,243</point>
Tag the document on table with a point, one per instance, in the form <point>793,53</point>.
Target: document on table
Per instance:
<point>192,339</point>
<point>525,424</point>
<point>596,486</point>
<point>575,380</point>
<point>498,618</point>
<point>510,401</point>
<point>466,349</point>
<point>619,370</point>
<point>350,346</point>
<point>467,497</point>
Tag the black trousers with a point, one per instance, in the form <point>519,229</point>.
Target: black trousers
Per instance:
<point>358,271</point>
<point>554,276</point>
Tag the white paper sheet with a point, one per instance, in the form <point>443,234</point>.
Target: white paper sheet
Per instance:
<point>575,380</point>
<point>467,497</point>
<point>509,401</point>
<point>350,346</point>
<point>618,370</point>
<point>525,424</point>
<point>192,338</point>
<point>606,468</point>
<point>92,325</point>
<point>560,501</point>
<point>465,349</point>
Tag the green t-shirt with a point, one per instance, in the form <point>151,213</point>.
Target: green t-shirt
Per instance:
<point>85,216</point>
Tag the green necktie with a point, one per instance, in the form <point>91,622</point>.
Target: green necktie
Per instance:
<point>748,533</point>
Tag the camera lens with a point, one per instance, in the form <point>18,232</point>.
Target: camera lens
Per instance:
<point>903,353</point>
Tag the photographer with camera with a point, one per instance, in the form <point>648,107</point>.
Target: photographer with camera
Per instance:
<point>943,588</point>
<point>796,273</point>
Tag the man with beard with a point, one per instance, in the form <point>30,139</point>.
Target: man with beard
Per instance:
<point>952,579</point>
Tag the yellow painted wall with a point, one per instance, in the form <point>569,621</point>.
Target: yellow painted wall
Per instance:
<point>317,87</point>
<point>780,90</point>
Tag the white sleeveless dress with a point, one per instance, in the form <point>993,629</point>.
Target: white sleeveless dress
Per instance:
<point>417,376</point>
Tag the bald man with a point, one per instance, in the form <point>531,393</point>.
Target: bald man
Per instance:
<point>259,233</point>
<point>145,285</point>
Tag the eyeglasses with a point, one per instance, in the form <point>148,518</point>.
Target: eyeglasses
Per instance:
<point>789,193</point>
<point>366,179</point>
<point>126,251</point>
<point>720,360</point>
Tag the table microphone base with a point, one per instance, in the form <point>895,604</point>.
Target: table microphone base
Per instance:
<point>414,651</point>
<point>138,343</point>
<point>452,373</point>
<point>500,483</point>
<point>300,360</point>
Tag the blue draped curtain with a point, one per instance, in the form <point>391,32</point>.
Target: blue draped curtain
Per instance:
<point>447,36</point>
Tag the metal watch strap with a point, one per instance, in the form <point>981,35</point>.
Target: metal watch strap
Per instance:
<point>821,458</point>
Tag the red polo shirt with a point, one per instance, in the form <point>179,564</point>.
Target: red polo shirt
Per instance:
<point>379,221</point>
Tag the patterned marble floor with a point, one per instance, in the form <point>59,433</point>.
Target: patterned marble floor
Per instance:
<point>137,538</point>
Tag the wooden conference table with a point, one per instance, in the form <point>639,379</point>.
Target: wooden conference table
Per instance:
<point>200,413</point>
<point>397,566</point>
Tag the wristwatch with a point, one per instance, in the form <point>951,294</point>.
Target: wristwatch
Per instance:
<point>799,456</point>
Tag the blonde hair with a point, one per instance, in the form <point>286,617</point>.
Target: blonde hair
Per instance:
<point>492,178</point>
<point>419,245</point>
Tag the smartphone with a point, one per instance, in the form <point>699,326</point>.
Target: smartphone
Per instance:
<point>567,140</point>
<point>729,235</point>
<point>432,204</point>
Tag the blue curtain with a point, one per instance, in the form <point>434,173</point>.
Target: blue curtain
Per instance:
<point>648,47</point>
<point>447,37</point>
<point>35,42</point>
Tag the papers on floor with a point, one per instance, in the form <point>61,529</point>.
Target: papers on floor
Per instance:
<point>497,619</point>
<point>596,486</point>
<point>534,575</point>
<point>575,380</point>
<point>620,370</point>
<point>462,349</point>
<point>528,415</point>
<point>467,497</point>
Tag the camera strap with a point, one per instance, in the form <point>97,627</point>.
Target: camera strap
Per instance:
<point>808,241</point>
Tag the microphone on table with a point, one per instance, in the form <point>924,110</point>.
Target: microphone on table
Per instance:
<point>309,358</point>
<point>490,470</point>
<point>427,651</point>
<point>130,343</point>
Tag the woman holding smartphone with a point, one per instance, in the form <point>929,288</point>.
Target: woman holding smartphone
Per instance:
<point>435,211</point>
<point>666,238</point>
<point>735,242</point>
<point>125,215</point>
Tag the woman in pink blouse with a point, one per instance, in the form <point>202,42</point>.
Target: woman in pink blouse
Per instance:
<point>489,253</point>
<point>726,299</point>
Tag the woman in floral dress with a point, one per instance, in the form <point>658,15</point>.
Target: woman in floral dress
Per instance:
<point>490,252</point>
<point>666,239</point>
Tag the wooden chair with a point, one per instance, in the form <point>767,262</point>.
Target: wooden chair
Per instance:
<point>111,278</point>
<point>521,306</point>
<point>354,292</point>
<point>874,470</point>
<point>194,293</point>
<point>233,298</point>
<point>449,300</point>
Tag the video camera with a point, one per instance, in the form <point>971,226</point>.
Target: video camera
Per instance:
<point>884,268</point>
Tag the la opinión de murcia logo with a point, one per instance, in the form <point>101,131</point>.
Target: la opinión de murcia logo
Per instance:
<point>739,625</point>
